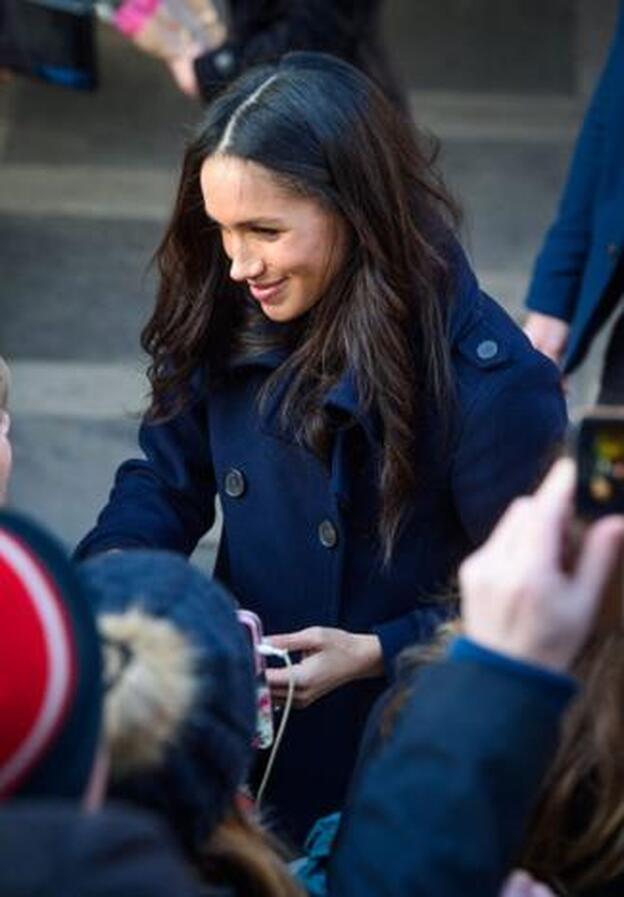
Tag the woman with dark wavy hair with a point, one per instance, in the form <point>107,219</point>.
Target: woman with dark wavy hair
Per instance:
<point>323,360</point>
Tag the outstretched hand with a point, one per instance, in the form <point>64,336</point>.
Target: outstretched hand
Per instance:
<point>331,657</point>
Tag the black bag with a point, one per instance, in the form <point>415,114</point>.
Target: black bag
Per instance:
<point>50,39</point>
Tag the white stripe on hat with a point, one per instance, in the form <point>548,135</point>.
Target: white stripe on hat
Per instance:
<point>47,605</point>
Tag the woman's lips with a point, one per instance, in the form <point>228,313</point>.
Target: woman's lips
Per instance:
<point>266,292</point>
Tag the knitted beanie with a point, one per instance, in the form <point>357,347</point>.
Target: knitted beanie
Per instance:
<point>50,671</point>
<point>180,700</point>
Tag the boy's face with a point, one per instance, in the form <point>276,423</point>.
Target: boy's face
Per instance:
<point>5,455</point>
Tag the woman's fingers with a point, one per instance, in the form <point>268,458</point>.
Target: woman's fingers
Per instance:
<point>310,639</point>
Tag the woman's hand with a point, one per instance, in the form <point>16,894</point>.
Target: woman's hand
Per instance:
<point>520,884</point>
<point>331,658</point>
<point>517,598</point>
<point>548,334</point>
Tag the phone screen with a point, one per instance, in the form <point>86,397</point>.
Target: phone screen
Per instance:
<point>600,457</point>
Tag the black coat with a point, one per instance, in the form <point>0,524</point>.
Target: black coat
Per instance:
<point>261,31</point>
<point>49,849</point>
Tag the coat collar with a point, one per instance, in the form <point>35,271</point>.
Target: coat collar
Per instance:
<point>343,396</point>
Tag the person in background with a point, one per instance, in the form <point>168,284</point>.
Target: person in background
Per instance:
<point>5,426</point>
<point>206,45</point>
<point>578,279</point>
<point>261,31</point>
<point>322,359</point>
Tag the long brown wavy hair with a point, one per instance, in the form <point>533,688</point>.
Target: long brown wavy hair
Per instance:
<point>327,132</point>
<point>575,838</point>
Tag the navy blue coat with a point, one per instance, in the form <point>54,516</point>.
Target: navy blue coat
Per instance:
<point>573,277</point>
<point>441,809</point>
<point>280,503</point>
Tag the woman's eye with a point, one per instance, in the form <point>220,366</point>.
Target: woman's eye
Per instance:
<point>266,231</point>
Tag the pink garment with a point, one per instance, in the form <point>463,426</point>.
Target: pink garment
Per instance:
<point>132,15</point>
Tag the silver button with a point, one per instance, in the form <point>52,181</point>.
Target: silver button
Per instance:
<point>487,349</point>
<point>328,534</point>
<point>224,62</point>
<point>235,484</point>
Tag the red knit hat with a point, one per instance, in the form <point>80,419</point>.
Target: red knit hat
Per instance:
<point>50,674</point>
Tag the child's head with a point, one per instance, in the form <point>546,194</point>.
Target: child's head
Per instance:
<point>180,694</point>
<point>50,671</point>
<point>5,445</point>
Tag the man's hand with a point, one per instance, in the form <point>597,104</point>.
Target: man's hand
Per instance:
<point>516,596</point>
<point>332,657</point>
<point>548,334</point>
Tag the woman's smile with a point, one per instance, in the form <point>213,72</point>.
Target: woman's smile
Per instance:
<point>284,247</point>
<point>267,292</point>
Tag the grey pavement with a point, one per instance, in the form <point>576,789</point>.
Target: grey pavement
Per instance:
<point>86,182</point>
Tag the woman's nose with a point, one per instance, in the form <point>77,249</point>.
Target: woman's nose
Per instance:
<point>245,266</point>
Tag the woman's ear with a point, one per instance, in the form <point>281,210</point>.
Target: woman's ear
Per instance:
<point>5,423</point>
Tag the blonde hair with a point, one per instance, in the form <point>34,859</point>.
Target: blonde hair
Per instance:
<point>5,380</point>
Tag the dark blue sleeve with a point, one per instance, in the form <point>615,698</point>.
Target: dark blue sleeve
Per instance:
<point>325,26</point>
<point>511,433</point>
<point>166,499</point>
<point>555,285</point>
<point>441,808</point>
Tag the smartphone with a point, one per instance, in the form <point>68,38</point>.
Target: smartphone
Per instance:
<point>252,625</point>
<point>599,453</point>
<point>600,463</point>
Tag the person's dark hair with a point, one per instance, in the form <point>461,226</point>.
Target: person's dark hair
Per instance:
<point>325,131</point>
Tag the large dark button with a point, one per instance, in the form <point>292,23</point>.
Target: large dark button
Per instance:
<point>487,349</point>
<point>613,250</point>
<point>235,484</point>
<point>328,534</point>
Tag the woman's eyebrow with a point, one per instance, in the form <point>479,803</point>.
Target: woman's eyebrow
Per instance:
<point>247,222</point>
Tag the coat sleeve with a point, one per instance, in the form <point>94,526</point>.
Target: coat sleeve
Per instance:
<point>556,281</point>
<point>315,25</point>
<point>511,435</point>
<point>165,499</point>
<point>440,809</point>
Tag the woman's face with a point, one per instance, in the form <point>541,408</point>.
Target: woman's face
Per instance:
<point>286,248</point>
